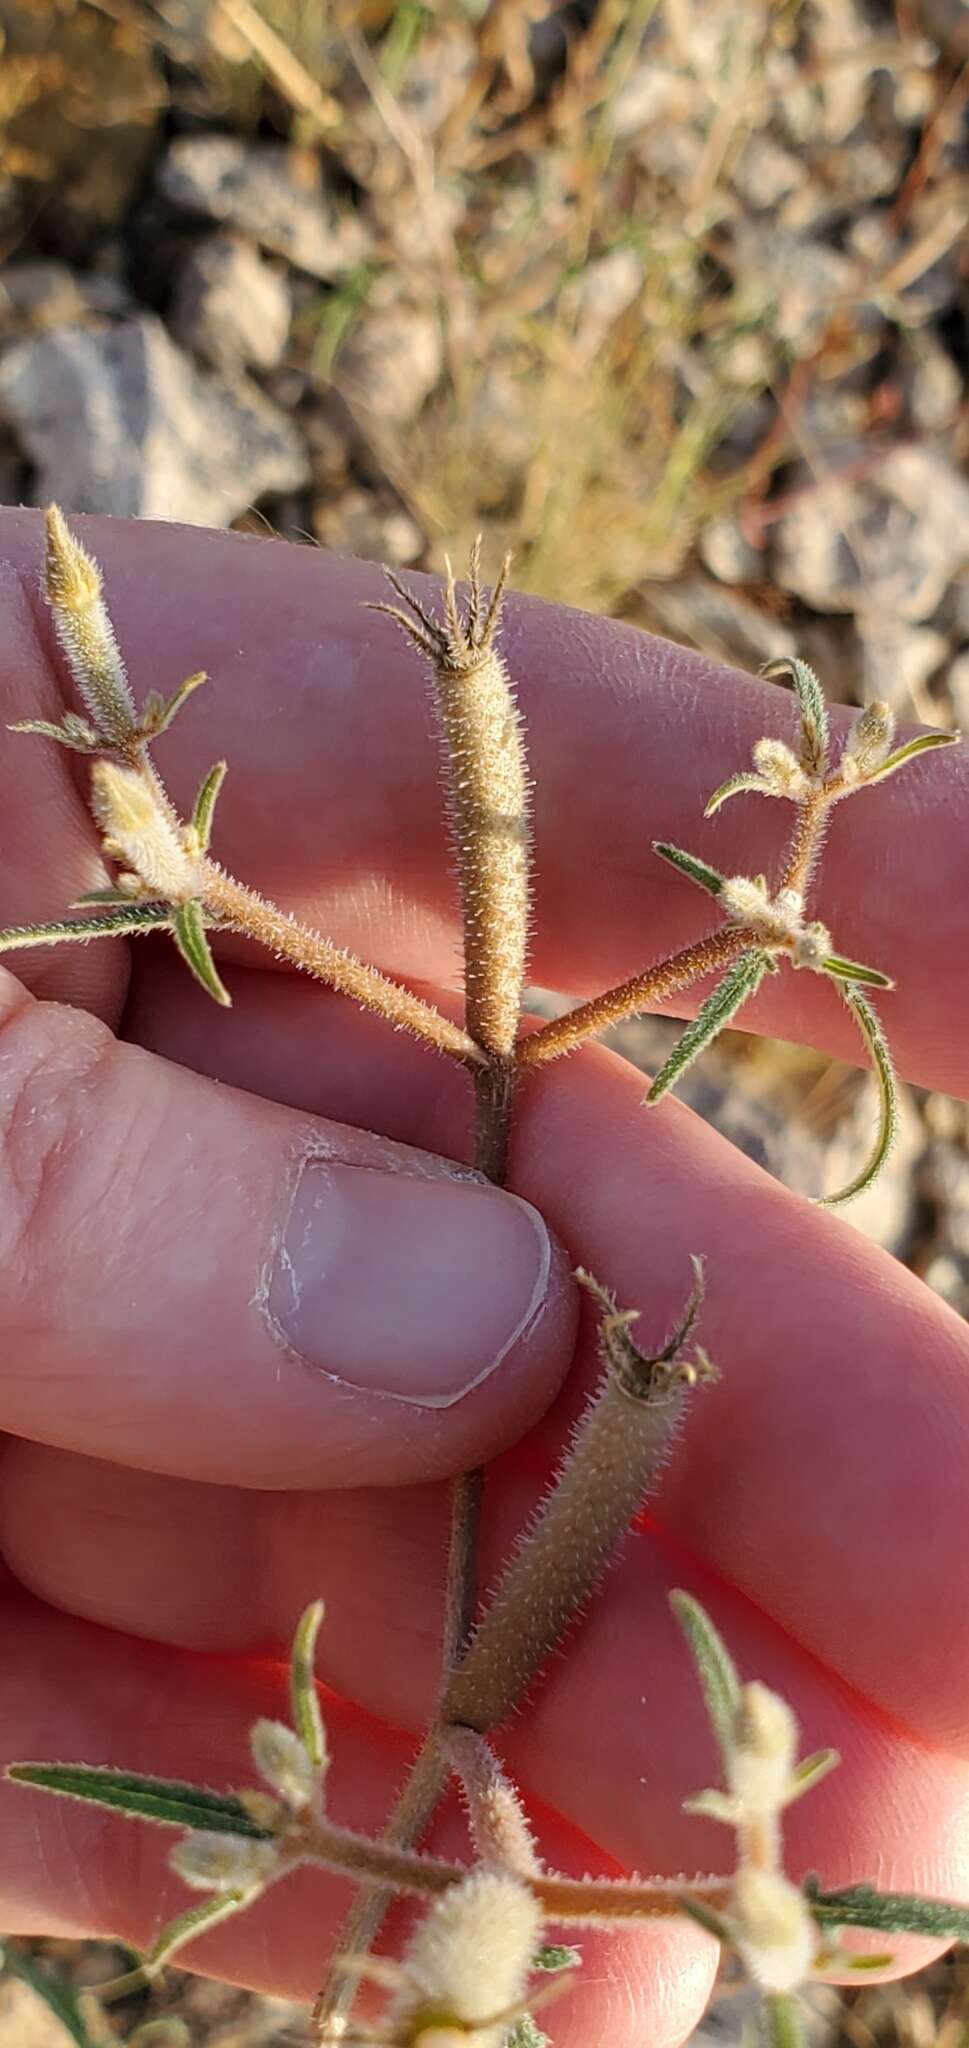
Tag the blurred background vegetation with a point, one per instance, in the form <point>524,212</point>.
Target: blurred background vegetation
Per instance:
<point>670,296</point>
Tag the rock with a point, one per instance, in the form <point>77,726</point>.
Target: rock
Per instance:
<point>726,552</point>
<point>231,306</point>
<point>898,661</point>
<point>606,288</point>
<point>122,422</point>
<point>253,186</point>
<point>357,524</point>
<point>35,295</point>
<point>957,684</point>
<point>909,528</point>
<point>718,620</point>
<point>390,362</point>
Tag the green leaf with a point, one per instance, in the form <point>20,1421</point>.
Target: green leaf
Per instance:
<point>74,733</point>
<point>806,1775</point>
<point>782,2021</point>
<point>741,981</point>
<point>307,1719</point>
<point>205,803</point>
<point>814,709</point>
<point>188,931</point>
<point>870,1026</point>
<point>902,755</point>
<point>55,1993</point>
<point>167,1801</point>
<point>737,785</point>
<point>715,1668</point>
<point>124,923</point>
<point>695,870</point>
<point>556,1955</point>
<point>705,1917</point>
<point>179,1932</point>
<point>861,1905</point>
<point>525,2034</point>
<point>852,970</point>
<point>713,1805</point>
<point>158,712</point>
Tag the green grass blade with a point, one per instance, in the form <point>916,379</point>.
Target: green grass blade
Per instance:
<point>184,1928</point>
<point>52,1990</point>
<point>124,923</point>
<point>307,1719</point>
<point>695,870</point>
<point>870,1026</point>
<point>813,707</point>
<point>912,748</point>
<point>188,931</point>
<point>167,1801</point>
<point>782,2021</point>
<point>744,977</point>
<point>715,1668</point>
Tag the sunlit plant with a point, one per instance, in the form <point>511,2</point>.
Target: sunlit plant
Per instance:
<point>480,1963</point>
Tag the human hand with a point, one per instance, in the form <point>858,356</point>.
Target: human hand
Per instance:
<point>817,1500</point>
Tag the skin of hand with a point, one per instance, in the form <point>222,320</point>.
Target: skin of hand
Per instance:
<point>234,1326</point>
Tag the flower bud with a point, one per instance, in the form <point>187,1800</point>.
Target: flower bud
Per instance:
<point>781,769</point>
<point>760,1761</point>
<point>280,1758</point>
<point>470,1958</point>
<point>223,1863</point>
<point>812,947</point>
<point>773,1929</point>
<point>868,743</point>
<point>138,831</point>
<point>745,901</point>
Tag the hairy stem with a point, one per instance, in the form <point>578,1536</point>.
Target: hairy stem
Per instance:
<point>806,842</point>
<point>655,985</point>
<point>240,909</point>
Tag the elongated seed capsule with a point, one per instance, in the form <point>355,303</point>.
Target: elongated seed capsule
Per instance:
<point>85,632</point>
<point>487,791</point>
<point>618,1450</point>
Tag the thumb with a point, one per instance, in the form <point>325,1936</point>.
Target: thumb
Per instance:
<point>198,1282</point>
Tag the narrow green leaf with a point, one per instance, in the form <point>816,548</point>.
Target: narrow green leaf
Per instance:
<point>695,870</point>
<point>124,923</point>
<point>159,711</point>
<point>307,1719</point>
<point>205,803</point>
<point>188,931</point>
<point>715,1668</point>
<point>79,736</point>
<point>861,1905</point>
<point>52,1990</point>
<point>814,709</point>
<point>856,1962</point>
<point>556,1955</point>
<point>741,981</point>
<point>810,1773</point>
<point>853,970</point>
<point>902,755</point>
<point>870,1026</point>
<point>782,2021</point>
<point>737,785</point>
<point>179,1932</point>
<point>705,1917</point>
<point>713,1805</point>
<point>167,1801</point>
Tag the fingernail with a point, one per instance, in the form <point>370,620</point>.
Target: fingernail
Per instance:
<point>406,1286</point>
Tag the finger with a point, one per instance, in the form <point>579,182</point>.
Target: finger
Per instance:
<point>314,697</point>
<point>828,1465</point>
<point>79,1873</point>
<point>894,1813</point>
<point>196,1281</point>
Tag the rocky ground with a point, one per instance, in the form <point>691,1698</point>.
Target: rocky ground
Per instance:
<point>671,298</point>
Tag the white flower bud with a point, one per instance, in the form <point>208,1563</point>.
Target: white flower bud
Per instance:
<point>223,1863</point>
<point>280,1758</point>
<point>773,1929</point>
<point>745,901</point>
<point>138,831</point>
<point>782,769</point>
<point>867,745</point>
<point>812,946</point>
<point>760,1761</point>
<point>470,1958</point>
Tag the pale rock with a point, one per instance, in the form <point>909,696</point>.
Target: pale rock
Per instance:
<point>122,422</point>
<point>890,545</point>
<point>253,186</point>
<point>390,362</point>
<point>357,524</point>
<point>957,684</point>
<point>231,306</point>
<point>898,660</point>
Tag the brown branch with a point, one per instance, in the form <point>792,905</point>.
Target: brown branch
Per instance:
<point>655,985</point>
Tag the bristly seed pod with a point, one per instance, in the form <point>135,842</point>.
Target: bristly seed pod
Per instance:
<point>73,585</point>
<point>488,794</point>
<point>618,1450</point>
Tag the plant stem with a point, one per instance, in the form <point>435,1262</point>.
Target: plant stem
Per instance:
<point>241,910</point>
<point>806,841</point>
<point>655,985</point>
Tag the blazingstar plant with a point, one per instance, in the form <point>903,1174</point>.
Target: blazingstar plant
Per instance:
<point>481,1963</point>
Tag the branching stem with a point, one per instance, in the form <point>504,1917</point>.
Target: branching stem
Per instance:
<point>655,985</point>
